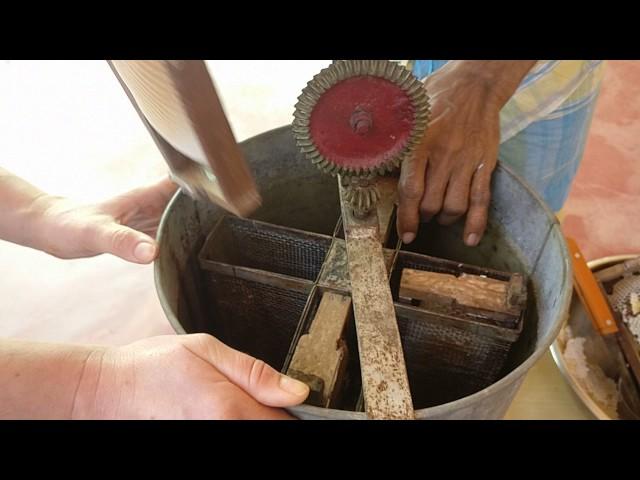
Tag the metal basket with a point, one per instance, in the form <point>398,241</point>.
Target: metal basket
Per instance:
<point>263,287</point>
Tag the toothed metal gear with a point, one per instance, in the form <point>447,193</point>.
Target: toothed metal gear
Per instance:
<point>361,193</point>
<point>361,117</point>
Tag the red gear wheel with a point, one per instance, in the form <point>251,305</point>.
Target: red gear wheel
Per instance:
<point>361,117</point>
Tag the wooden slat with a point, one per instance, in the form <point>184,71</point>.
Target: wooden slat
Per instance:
<point>470,290</point>
<point>179,105</point>
<point>320,356</point>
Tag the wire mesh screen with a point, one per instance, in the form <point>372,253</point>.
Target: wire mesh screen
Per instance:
<point>446,359</point>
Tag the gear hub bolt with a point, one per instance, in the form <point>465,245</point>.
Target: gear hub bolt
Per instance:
<point>361,121</point>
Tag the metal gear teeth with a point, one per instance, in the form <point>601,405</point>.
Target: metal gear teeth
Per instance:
<point>362,198</point>
<point>341,70</point>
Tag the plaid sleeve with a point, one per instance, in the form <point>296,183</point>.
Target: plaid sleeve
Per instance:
<point>551,88</point>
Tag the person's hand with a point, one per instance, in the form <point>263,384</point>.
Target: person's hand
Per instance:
<point>450,173</point>
<point>182,377</point>
<point>124,226</point>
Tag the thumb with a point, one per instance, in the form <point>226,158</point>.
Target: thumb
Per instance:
<point>125,242</point>
<point>254,376</point>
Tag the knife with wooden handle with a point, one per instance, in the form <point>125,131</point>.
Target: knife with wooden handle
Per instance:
<point>178,103</point>
<point>590,292</point>
<point>604,319</point>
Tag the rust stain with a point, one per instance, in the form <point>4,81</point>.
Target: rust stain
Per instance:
<point>384,374</point>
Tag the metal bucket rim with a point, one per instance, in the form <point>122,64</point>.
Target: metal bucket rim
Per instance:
<point>514,375</point>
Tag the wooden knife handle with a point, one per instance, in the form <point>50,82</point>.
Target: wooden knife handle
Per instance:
<point>590,292</point>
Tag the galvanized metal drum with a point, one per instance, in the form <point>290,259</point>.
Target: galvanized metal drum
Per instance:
<point>251,282</point>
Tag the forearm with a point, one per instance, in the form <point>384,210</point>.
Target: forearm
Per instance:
<point>21,207</point>
<point>498,79</point>
<point>40,380</point>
